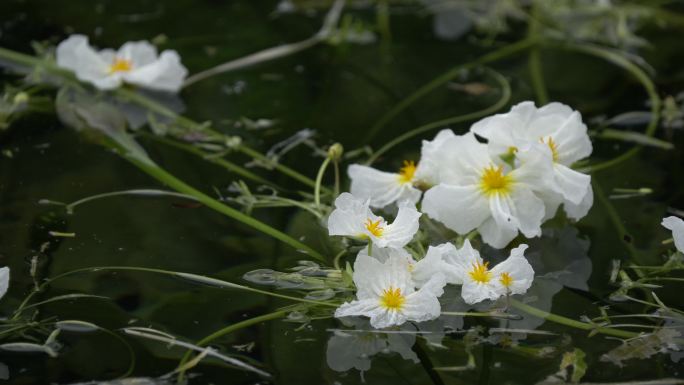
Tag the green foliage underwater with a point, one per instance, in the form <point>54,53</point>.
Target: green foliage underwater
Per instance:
<point>342,192</point>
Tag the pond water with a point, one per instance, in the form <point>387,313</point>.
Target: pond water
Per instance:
<point>334,93</point>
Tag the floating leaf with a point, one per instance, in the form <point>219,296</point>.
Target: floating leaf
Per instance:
<point>643,347</point>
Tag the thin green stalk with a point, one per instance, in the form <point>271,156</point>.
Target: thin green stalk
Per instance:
<point>615,220</point>
<point>499,54</point>
<point>480,314</point>
<point>641,76</point>
<point>227,330</point>
<point>180,186</point>
<point>570,322</point>
<point>231,167</point>
<point>503,100</point>
<point>282,168</point>
<point>534,59</point>
<point>319,180</point>
<point>383,21</point>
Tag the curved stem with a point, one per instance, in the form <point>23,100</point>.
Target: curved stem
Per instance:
<point>640,76</point>
<point>499,54</point>
<point>138,192</point>
<point>273,53</point>
<point>227,330</point>
<point>570,322</point>
<point>319,180</point>
<point>534,59</point>
<point>503,100</point>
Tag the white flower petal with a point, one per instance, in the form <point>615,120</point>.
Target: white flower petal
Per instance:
<point>528,210</point>
<point>578,212</point>
<point>401,231</point>
<point>519,271</point>
<point>349,216</point>
<point>139,53</point>
<point>434,263</point>
<point>382,188</point>
<point>77,55</point>
<point>432,158</point>
<point>474,292</point>
<point>460,208</point>
<point>165,74</point>
<point>423,305</point>
<point>4,280</point>
<point>676,225</point>
<point>495,235</point>
<point>464,160</point>
<point>571,184</point>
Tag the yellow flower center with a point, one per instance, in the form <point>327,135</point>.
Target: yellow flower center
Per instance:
<point>392,299</point>
<point>407,171</point>
<point>552,145</point>
<point>493,181</point>
<point>480,272</point>
<point>374,227</point>
<point>506,279</point>
<point>120,65</point>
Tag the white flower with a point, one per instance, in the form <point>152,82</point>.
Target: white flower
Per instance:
<point>386,294</point>
<point>483,193</point>
<point>4,280</point>
<point>384,188</point>
<point>352,217</point>
<point>512,276</point>
<point>561,129</point>
<point>432,158</point>
<point>135,63</point>
<point>423,270</point>
<point>676,225</point>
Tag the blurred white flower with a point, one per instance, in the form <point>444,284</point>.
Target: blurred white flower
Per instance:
<point>352,217</point>
<point>512,276</point>
<point>561,129</point>
<point>135,63</point>
<point>676,225</point>
<point>4,280</point>
<point>384,188</point>
<point>477,191</point>
<point>386,293</point>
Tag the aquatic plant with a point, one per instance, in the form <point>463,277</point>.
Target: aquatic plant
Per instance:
<point>493,191</point>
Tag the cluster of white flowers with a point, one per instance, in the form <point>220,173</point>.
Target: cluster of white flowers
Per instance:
<point>134,63</point>
<point>509,185</point>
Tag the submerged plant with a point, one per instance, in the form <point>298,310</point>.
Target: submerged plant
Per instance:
<point>498,186</point>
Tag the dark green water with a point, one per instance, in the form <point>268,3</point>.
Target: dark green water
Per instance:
<point>339,92</point>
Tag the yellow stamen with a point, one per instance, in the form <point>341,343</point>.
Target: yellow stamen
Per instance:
<point>480,272</point>
<point>552,145</point>
<point>506,279</point>
<point>120,65</point>
<point>493,181</point>
<point>374,227</point>
<point>512,150</point>
<point>392,299</point>
<point>407,172</point>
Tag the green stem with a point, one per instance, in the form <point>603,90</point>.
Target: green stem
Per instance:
<point>570,322</point>
<point>231,167</point>
<point>227,330</point>
<point>499,54</point>
<point>503,100</point>
<point>534,59</point>
<point>641,77</point>
<point>319,180</point>
<point>180,186</point>
<point>142,100</point>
